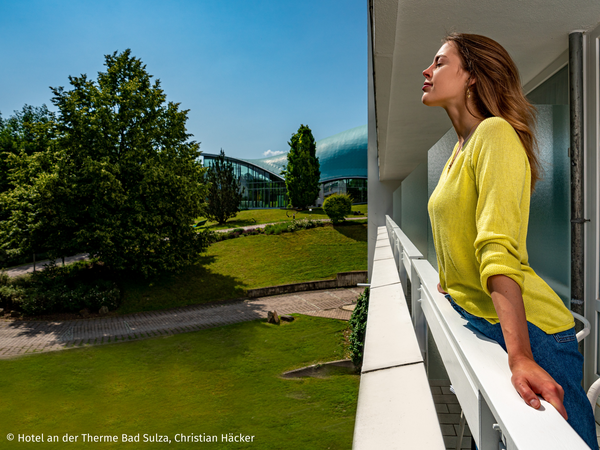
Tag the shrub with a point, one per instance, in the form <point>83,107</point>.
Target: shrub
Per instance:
<point>294,225</point>
<point>277,228</point>
<point>66,289</point>
<point>65,298</point>
<point>10,295</point>
<point>358,323</point>
<point>4,278</point>
<point>215,236</point>
<point>337,206</point>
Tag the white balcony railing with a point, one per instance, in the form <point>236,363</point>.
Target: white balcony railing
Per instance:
<point>395,406</point>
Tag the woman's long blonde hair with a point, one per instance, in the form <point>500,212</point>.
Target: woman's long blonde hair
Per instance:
<point>497,90</point>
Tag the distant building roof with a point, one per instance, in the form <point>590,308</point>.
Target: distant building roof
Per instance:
<point>343,155</point>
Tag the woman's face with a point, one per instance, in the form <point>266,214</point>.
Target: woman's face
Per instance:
<point>445,79</point>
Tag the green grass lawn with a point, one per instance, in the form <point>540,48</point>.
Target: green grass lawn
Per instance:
<point>232,266</point>
<point>216,381</point>
<point>257,216</point>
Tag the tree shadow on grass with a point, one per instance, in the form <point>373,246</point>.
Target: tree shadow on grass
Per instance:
<point>194,285</point>
<point>356,232</point>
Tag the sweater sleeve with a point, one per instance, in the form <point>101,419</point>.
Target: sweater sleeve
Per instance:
<point>502,178</point>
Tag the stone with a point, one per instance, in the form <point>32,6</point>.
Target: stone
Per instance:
<point>15,314</point>
<point>85,313</point>
<point>103,310</point>
<point>272,317</point>
<point>287,318</point>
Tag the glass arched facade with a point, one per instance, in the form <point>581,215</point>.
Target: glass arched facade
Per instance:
<point>354,187</point>
<point>343,166</point>
<point>262,189</point>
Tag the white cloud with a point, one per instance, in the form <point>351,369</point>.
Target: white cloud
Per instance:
<point>272,153</point>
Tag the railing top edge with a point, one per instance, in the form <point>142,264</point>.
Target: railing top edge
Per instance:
<point>408,247</point>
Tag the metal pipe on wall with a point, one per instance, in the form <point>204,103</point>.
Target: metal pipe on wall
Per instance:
<point>576,157</point>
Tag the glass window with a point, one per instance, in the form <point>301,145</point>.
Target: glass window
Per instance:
<point>553,91</point>
<point>548,238</point>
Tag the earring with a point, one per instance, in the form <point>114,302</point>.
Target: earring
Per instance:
<point>468,93</point>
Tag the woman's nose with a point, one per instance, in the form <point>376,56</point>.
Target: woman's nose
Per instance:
<point>426,72</point>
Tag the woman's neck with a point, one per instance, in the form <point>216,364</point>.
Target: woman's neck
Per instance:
<point>463,122</point>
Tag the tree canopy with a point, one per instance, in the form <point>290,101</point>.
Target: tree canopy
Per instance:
<point>302,172</point>
<point>27,132</point>
<point>224,191</point>
<point>26,158</point>
<point>122,179</point>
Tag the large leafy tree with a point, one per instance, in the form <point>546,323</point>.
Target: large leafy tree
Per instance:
<point>25,133</point>
<point>31,223</point>
<point>128,179</point>
<point>302,172</point>
<point>28,223</point>
<point>224,191</point>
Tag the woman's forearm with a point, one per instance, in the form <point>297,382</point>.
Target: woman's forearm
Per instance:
<point>528,377</point>
<point>508,301</point>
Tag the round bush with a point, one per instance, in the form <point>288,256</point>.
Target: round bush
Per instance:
<point>337,206</point>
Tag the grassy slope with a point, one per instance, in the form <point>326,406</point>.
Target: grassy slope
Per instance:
<point>232,266</point>
<point>257,216</point>
<point>213,381</point>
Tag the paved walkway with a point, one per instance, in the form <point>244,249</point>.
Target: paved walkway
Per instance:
<point>40,265</point>
<point>21,337</point>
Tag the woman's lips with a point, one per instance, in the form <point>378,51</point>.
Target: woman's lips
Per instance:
<point>426,85</point>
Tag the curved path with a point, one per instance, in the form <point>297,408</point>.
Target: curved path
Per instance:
<point>19,337</point>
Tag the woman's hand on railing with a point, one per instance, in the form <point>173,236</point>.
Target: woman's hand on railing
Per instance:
<point>440,290</point>
<point>529,379</point>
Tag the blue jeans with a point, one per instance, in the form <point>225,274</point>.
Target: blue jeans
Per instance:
<point>558,355</point>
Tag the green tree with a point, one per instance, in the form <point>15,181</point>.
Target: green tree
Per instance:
<point>337,207</point>
<point>32,223</point>
<point>127,178</point>
<point>28,131</point>
<point>224,191</point>
<point>28,223</point>
<point>302,172</point>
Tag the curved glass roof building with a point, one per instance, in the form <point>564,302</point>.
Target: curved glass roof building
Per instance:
<point>343,166</point>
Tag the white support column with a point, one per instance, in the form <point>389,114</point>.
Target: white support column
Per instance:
<point>380,194</point>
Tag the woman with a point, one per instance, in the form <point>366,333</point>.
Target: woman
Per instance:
<point>479,213</point>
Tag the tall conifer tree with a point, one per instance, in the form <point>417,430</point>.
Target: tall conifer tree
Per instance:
<point>302,172</point>
<point>224,192</point>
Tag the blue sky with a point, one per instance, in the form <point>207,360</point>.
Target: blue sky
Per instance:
<point>250,72</point>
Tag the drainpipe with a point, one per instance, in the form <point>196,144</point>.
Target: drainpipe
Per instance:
<point>576,155</point>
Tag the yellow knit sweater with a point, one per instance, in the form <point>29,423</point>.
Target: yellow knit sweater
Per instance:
<point>479,213</point>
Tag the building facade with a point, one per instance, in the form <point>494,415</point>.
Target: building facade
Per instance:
<point>557,50</point>
<point>343,166</point>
